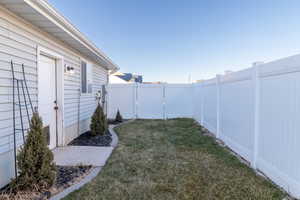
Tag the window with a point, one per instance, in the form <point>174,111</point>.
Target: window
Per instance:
<point>83,77</point>
<point>86,78</point>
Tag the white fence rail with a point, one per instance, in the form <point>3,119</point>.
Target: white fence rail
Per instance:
<point>150,101</point>
<point>256,112</point>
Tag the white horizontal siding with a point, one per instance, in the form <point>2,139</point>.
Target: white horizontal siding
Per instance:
<point>19,42</point>
<point>75,102</point>
<point>20,50</point>
<point>71,95</point>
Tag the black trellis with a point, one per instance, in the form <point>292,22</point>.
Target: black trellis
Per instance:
<point>22,92</point>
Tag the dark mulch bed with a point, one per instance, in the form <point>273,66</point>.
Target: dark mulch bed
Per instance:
<point>67,174</point>
<point>114,122</point>
<point>66,177</point>
<point>86,139</point>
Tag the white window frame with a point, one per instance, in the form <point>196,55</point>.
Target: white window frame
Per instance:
<point>89,77</point>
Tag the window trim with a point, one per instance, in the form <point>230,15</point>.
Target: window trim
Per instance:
<point>87,93</point>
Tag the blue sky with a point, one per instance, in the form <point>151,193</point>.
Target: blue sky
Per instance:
<point>168,40</point>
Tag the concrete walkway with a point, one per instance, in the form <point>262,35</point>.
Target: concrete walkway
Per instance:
<point>85,155</point>
<point>82,155</point>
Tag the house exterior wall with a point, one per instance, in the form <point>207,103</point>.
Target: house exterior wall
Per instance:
<point>19,42</point>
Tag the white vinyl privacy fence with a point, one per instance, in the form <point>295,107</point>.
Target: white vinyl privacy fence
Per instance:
<point>256,112</point>
<point>150,101</point>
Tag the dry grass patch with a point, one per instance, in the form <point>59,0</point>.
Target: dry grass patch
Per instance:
<point>172,159</point>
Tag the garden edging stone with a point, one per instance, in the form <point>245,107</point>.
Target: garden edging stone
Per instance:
<point>115,138</point>
<point>78,185</point>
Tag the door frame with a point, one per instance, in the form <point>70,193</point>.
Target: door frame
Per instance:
<point>59,60</point>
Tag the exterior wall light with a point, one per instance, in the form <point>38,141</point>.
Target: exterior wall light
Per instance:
<point>69,70</point>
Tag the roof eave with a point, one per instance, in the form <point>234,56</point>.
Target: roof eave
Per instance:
<point>51,14</point>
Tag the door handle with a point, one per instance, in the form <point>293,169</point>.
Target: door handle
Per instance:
<point>55,107</point>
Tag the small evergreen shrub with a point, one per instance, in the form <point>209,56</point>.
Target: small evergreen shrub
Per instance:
<point>37,170</point>
<point>119,117</point>
<point>99,122</point>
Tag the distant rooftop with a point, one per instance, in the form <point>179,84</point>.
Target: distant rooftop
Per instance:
<point>129,77</point>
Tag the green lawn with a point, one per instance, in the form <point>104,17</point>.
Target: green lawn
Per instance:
<point>172,159</point>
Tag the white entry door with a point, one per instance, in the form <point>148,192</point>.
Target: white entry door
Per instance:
<point>47,97</point>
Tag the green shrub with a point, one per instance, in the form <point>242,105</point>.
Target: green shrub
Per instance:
<point>36,168</point>
<point>119,117</point>
<point>99,122</point>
